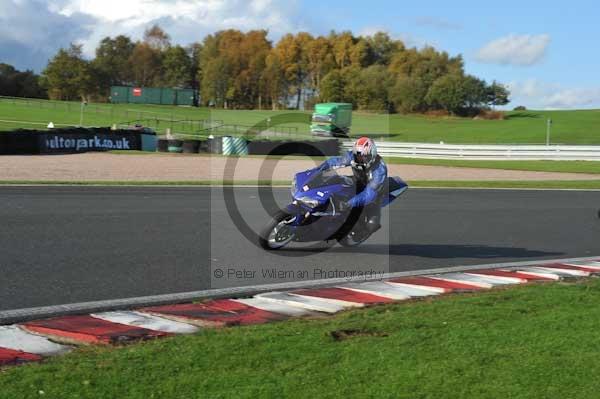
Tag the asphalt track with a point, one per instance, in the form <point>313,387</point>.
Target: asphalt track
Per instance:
<point>73,244</point>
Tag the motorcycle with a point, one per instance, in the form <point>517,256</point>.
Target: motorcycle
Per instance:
<point>315,213</point>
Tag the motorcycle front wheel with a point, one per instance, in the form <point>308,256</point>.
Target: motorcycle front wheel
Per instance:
<point>278,232</point>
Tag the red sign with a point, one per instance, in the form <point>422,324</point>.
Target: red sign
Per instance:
<point>137,92</point>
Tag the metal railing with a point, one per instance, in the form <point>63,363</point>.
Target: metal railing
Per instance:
<point>100,113</point>
<point>485,152</point>
<point>259,131</point>
<point>191,127</point>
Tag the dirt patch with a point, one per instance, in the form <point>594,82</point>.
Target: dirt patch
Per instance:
<point>342,335</point>
<point>158,167</point>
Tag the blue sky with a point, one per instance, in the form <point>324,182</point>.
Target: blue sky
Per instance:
<point>546,54</point>
<point>564,76</point>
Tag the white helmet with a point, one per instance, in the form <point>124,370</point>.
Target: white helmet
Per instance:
<point>364,152</point>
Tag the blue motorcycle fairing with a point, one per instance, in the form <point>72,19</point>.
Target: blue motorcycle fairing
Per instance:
<point>319,187</point>
<point>395,188</point>
<point>324,189</point>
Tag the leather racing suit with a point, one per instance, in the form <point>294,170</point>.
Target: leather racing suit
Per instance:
<point>370,184</point>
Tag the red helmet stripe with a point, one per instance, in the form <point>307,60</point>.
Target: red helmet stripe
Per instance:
<point>362,141</point>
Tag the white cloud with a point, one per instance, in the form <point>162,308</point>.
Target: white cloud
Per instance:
<point>522,50</point>
<point>531,88</point>
<point>185,20</point>
<point>31,31</point>
<point>575,98</point>
<point>534,93</point>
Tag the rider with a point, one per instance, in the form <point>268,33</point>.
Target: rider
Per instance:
<point>370,175</point>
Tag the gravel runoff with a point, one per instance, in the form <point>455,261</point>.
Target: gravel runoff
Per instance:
<point>168,167</point>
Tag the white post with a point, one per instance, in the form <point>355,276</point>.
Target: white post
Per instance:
<point>83,104</point>
<point>549,125</point>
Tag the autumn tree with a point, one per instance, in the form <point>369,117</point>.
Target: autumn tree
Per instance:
<point>15,83</point>
<point>146,65</point>
<point>111,64</point>
<point>320,61</point>
<point>383,47</point>
<point>332,88</point>
<point>375,82</point>
<point>253,52</point>
<point>447,93</point>
<point>475,94</point>
<point>233,64</point>
<point>237,69</point>
<point>68,76</point>
<point>177,66</point>
<point>342,46</point>
<point>408,95</point>
<point>146,60</point>
<point>361,54</point>
<point>273,80</point>
<point>292,52</point>
<point>157,38</point>
<point>195,52</point>
<point>496,95</point>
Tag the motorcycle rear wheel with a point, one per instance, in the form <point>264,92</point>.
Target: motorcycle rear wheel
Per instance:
<point>277,233</point>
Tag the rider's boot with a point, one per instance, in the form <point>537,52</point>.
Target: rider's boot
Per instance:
<point>373,224</point>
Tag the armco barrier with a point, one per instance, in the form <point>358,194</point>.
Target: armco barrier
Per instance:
<point>309,148</point>
<point>176,146</point>
<point>16,143</point>
<point>162,145</point>
<point>190,146</point>
<point>240,146</point>
<point>227,145</point>
<point>489,152</point>
<point>75,140</point>
<point>215,145</point>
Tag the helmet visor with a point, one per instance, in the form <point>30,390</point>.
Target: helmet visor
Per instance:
<point>361,159</point>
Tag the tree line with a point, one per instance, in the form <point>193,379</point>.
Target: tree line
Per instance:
<point>15,83</point>
<point>245,70</point>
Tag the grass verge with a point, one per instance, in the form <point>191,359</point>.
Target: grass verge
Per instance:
<point>516,184</point>
<point>589,167</point>
<point>491,184</point>
<point>592,167</point>
<point>521,342</point>
<point>520,127</point>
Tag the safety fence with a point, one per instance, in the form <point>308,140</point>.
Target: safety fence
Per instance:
<point>253,131</point>
<point>485,152</point>
<point>183,127</point>
<point>20,113</point>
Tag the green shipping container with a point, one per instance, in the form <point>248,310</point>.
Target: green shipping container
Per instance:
<point>185,97</point>
<point>144,95</point>
<point>137,95</point>
<point>169,96</point>
<point>119,95</point>
<point>152,95</point>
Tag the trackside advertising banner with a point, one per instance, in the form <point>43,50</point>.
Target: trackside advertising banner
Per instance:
<point>61,143</point>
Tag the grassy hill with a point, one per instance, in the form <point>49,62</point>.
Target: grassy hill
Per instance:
<point>523,127</point>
